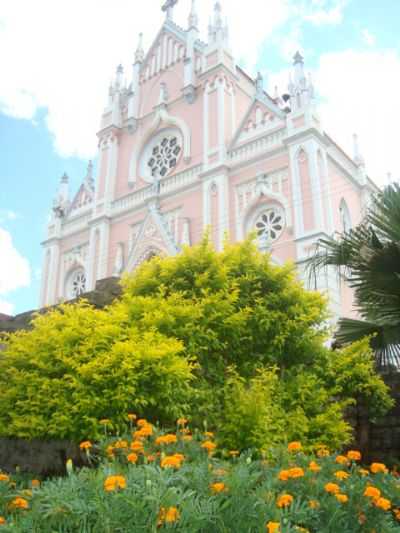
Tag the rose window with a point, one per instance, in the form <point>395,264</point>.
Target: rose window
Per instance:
<point>77,284</point>
<point>270,224</point>
<point>164,156</point>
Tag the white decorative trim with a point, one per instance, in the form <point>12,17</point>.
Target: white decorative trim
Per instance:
<point>162,117</point>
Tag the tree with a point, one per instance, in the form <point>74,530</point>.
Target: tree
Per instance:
<point>368,257</point>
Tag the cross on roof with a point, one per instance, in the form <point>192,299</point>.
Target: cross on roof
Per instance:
<point>168,7</point>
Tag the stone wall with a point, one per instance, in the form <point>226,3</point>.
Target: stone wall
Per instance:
<point>380,441</point>
<point>105,292</point>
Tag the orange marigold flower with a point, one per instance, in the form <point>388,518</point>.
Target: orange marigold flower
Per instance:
<point>314,467</point>
<point>35,483</point>
<point>209,434</point>
<point>341,460</point>
<point>377,468</point>
<point>294,446</point>
<point>137,446</point>
<point>132,457</point>
<point>131,417</point>
<point>283,475</point>
<point>110,451</point>
<point>383,503</point>
<point>234,453</point>
<point>284,500</point>
<point>396,513</point>
<point>2,520</point>
<point>341,474</point>
<point>151,458</point>
<point>342,498</point>
<point>182,421</point>
<point>172,461</point>
<point>166,439</point>
<point>313,504</point>
<point>273,527</point>
<point>354,455</point>
<point>114,483</point>
<point>372,492</point>
<point>209,446</point>
<point>168,516</point>
<point>19,503</point>
<point>143,432</point>
<point>85,445</point>
<point>332,488</point>
<point>141,422</point>
<point>217,487</point>
<point>296,472</point>
<point>5,478</point>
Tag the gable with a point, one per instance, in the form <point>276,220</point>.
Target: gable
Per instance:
<point>263,115</point>
<point>83,197</point>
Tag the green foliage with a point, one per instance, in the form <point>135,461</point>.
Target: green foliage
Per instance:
<point>78,365</point>
<point>247,502</point>
<point>229,337</point>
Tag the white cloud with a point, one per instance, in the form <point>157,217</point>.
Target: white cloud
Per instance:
<point>6,308</point>
<point>368,37</point>
<point>8,215</point>
<point>358,92</point>
<point>325,12</point>
<point>14,270</point>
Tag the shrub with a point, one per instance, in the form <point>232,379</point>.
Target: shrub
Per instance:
<point>78,365</point>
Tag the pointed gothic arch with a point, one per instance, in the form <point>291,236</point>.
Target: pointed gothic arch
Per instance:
<point>345,217</point>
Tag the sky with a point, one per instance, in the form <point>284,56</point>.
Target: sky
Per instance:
<point>58,57</point>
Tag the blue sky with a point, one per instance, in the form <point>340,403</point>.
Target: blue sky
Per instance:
<point>56,70</point>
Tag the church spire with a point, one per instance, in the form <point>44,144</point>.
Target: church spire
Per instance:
<point>139,54</point>
<point>357,156</point>
<point>89,180</point>
<point>193,17</point>
<point>168,8</point>
<point>119,77</point>
<point>300,89</point>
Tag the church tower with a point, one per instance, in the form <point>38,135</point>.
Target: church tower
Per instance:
<point>193,142</point>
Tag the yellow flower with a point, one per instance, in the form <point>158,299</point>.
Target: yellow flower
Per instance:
<point>235,453</point>
<point>114,483</point>
<point>354,455</point>
<point>209,434</point>
<point>137,446</point>
<point>284,501</point>
<point>372,492</point>
<point>314,467</point>
<point>172,461</point>
<point>313,504</point>
<point>131,417</point>
<point>342,498</point>
<point>341,460</point>
<point>168,516</point>
<point>294,446</point>
<point>363,472</point>
<point>273,527</point>
<point>383,503</point>
<point>209,446</point>
<point>323,451</point>
<point>5,478</point>
<point>110,451</point>
<point>396,513</point>
<point>332,488</point>
<point>105,422</point>
<point>341,474</point>
<point>182,421</point>
<point>35,483</point>
<point>132,457</point>
<point>2,520</point>
<point>377,468</point>
<point>217,487</point>
<point>121,444</point>
<point>85,445</point>
<point>187,438</point>
<point>19,503</point>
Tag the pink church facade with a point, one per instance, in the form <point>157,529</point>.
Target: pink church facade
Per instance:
<point>195,143</point>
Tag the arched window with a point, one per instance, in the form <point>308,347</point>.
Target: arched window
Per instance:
<point>76,283</point>
<point>345,218</point>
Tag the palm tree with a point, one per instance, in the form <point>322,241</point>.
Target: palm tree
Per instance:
<point>368,257</point>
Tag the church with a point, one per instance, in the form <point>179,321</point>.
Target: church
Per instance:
<point>195,143</point>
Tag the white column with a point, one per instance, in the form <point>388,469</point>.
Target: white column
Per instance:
<point>221,119</point>
<point>53,273</point>
<point>297,196</point>
<point>205,125</point>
